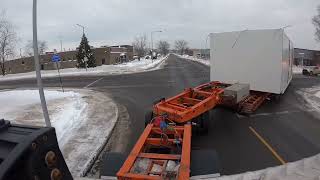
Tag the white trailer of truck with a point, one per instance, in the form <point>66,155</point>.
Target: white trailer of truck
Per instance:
<point>261,58</point>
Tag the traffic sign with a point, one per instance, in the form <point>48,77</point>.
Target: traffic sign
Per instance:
<point>55,58</point>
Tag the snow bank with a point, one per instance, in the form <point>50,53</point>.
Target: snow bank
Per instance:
<point>297,69</point>
<point>312,96</point>
<point>130,67</point>
<point>192,58</point>
<point>83,120</point>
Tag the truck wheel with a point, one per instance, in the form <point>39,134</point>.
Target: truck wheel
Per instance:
<point>204,162</point>
<point>148,117</point>
<point>111,163</point>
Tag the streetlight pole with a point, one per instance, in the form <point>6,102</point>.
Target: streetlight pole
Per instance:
<point>302,56</point>
<point>81,27</point>
<point>60,45</point>
<point>85,59</point>
<point>152,42</point>
<point>37,66</point>
<point>152,38</point>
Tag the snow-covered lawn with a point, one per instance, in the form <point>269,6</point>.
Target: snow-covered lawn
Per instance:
<point>83,120</point>
<point>312,96</point>
<point>130,67</point>
<point>297,69</point>
<point>192,58</point>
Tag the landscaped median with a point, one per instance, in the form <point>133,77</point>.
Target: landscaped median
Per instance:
<point>83,119</point>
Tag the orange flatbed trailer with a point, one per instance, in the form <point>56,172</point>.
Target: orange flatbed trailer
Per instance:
<point>191,103</point>
<point>149,139</point>
<point>177,113</point>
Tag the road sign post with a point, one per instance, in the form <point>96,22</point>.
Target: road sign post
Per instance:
<point>56,58</point>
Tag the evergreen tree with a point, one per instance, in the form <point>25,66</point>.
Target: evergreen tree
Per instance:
<point>84,50</point>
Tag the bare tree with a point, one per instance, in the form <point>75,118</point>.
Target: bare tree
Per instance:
<point>140,45</point>
<point>316,22</point>
<point>8,39</point>
<point>163,47</point>
<point>42,47</point>
<point>181,46</point>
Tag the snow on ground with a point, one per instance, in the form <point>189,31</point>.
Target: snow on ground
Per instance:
<point>312,97</point>
<point>83,120</point>
<point>297,69</point>
<point>192,58</point>
<point>129,67</point>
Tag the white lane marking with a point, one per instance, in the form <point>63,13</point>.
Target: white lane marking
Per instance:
<point>93,83</point>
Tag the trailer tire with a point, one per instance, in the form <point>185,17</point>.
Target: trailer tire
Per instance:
<point>148,117</point>
<point>111,163</point>
<point>204,162</point>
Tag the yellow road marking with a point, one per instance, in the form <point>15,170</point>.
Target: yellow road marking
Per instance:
<point>274,153</point>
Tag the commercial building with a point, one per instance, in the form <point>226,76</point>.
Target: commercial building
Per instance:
<point>306,57</point>
<point>201,53</point>
<point>103,56</point>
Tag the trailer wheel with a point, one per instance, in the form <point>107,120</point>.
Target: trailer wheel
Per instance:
<point>204,162</point>
<point>111,163</point>
<point>148,117</point>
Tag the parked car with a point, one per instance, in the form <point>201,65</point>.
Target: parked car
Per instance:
<point>311,70</point>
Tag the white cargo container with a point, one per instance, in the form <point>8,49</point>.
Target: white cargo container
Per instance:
<point>261,58</point>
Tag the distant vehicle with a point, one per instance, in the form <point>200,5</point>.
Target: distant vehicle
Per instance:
<point>154,55</point>
<point>135,57</point>
<point>311,70</point>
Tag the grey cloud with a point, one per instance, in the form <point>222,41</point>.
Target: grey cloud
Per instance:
<point>119,21</point>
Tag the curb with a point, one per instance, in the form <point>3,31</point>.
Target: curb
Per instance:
<point>100,149</point>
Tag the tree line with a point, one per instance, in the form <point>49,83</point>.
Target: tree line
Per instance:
<point>140,46</point>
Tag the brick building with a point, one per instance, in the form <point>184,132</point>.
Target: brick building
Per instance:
<point>306,57</point>
<point>103,56</point>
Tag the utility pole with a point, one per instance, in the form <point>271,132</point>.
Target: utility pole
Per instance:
<point>152,43</point>
<point>85,59</point>
<point>37,66</point>
<point>60,45</point>
<point>152,38</point>
<point>81,27</point>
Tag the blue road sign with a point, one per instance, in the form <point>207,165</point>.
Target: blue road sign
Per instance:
<point>55,58</point>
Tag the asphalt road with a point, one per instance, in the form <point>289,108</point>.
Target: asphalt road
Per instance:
<point>289,127</point>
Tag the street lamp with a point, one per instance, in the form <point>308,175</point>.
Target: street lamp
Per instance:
<point>81,27</point>
<point>152,38</point>
<point>85,59</point>
<point>302,56</point>
<point>37,65</point>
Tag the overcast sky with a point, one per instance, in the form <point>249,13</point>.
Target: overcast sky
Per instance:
<point>112,22</point>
